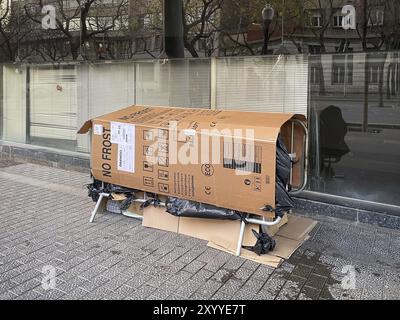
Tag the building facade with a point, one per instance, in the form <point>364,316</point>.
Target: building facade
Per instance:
<point>349,79</point>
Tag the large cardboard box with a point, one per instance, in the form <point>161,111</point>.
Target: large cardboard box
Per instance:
<point>222,158</point>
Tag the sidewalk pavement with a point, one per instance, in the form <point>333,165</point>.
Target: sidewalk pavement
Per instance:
<point>44,215</point>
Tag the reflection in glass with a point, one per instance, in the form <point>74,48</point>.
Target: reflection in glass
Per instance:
<point>355,125</point>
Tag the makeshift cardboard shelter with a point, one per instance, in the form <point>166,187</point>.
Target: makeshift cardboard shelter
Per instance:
<point>216,161</point>
<point>146,148</point>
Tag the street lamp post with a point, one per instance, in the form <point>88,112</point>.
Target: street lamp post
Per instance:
<point>267,14</point>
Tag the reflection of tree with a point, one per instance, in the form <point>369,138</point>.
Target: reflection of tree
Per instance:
<point>5,45</point>
<point>53,50</point>
<point>326,10</point>
<point>382,58</point>
<point>391,39</point>
<point>392,86</point>
<point>385,36</point>
<point>363,35</point>
<point>241,18</point>
<point>201,24</point>
<point>12,30</point>
<point>79,25</point>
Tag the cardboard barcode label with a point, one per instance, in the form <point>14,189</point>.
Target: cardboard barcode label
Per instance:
<point>239,156</point>
<point>126,158</point>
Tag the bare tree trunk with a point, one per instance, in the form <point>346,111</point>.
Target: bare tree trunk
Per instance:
<point>366,94</point>
<point>189,47</point>
<point>388,81</point>
<point>366,67</point>
<point>381,75</point>
<point>391,75</point>
<point>322,88</point>
<point>74,49</point>
<point>266,25</point>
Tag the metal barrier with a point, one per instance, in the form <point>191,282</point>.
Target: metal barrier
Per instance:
<point>246,219</point>
<point>305,156</point>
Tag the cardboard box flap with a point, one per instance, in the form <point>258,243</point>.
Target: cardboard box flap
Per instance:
<point>266,125</point>
<point>85,127</point>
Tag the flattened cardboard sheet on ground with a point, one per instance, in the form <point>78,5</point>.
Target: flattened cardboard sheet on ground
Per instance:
<point>284,249</point>
<point>288,239</point>
<point>223,234</point>
<point>158,218</point>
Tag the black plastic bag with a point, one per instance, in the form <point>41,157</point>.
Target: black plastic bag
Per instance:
<point>186,208</point>
<point>263,245</point>
<point>283,200</point>
<point>283,162</point>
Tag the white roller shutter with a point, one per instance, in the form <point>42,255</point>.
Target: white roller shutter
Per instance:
<point>267,84</point>
<point>14,103</point>
<point>111,87</point>
<point>53,103</point>
<point>183,83</point>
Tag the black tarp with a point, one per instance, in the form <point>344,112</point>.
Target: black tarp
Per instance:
<point>283,200</point>
<point>185,208</point>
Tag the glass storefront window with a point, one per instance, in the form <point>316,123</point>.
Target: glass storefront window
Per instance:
<point>353,106</point>
<point>355,125</point>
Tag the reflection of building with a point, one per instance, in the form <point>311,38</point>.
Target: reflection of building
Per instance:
<point>3,7</point>
<point>114,29</point>
<point>5,14</point>
<point>345,73</point>
<point>122,29</point>
<point>316,27</point>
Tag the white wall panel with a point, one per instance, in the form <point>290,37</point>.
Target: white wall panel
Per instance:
<point>267,84</point>
<point>53,103</point>
<point>14,103</point>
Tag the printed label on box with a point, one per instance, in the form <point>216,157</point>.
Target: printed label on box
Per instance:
<point>122,133</point>
<point>98,129</point>
<point>126,158</point>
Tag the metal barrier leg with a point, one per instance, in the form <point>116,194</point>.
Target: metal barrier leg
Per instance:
<point>96,208</point>
<point>240,241</point>
<point>305,155</point>
<point>132,215</point>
